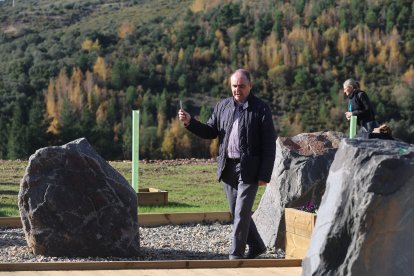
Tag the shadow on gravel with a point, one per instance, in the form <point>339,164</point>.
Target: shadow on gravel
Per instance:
<point>149,254</point>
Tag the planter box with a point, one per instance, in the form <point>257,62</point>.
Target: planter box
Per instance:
<point>299,227</point>
<point>152,196</point>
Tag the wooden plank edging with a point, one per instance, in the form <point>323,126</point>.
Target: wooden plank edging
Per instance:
<point>152,219</point>
<point>177,264</point>
<point>182,218</point>
<point>11,221</point>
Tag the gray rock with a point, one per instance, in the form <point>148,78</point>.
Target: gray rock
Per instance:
<point>365,222</point>
<point>73,203</point>
<point>299,176</point>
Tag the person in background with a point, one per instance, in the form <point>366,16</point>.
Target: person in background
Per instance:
<point>360,106</point>
<point>247,148</point>
<point>381,132</point>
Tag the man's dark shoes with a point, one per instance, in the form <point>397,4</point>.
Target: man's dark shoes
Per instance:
<point>255,252</point>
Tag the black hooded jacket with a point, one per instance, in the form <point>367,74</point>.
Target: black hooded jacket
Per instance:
<point>256,132</point>
<point>361,107</point>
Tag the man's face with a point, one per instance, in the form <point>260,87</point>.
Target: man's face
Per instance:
<point>347,90</point>
<point>240,87</point>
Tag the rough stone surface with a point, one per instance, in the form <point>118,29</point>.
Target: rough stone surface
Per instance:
<point>299,176</point>
<point>73,203</point>
<point>365,221</point>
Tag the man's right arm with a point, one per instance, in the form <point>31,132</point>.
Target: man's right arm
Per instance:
<point>202,130</point>
<point>206,131</point>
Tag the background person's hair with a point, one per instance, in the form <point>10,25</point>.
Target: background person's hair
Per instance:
<point>385,129</point>
<point>351,82</point>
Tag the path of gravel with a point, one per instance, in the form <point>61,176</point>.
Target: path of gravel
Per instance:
<point>170,242</point>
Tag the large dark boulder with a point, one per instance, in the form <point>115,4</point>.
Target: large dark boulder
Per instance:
<point>73,203</point>
<point>299,176</point>
<point>365,222</point>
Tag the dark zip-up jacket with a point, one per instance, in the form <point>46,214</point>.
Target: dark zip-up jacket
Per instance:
<point>256,133</point>
<point>361,107</point>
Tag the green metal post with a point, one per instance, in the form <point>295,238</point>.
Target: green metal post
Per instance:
<point>352,128</point>
<point>135,149</point>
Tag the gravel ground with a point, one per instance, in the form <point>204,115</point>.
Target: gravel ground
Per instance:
<point>170,242</point>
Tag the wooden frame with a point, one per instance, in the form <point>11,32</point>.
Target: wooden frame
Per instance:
<point>299,228</point>
<point>152,196</point>
<point>175,264</point>
<point>152,219</point>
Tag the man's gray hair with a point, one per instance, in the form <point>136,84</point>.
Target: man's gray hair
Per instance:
<point>244,72</point>
<point>351,82</point>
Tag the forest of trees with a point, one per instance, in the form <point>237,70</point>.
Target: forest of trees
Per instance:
<point>62,76</point>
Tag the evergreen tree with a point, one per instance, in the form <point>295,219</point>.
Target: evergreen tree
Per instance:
<point>119,74</point>
<point>102,139</point>
<point>69,124</point>
<point>301,78</point>
<point>131,95</point>
<point>161,113</point>
<point>17,139</point>
<point>343,18</point>
<point>87,122</point>
<point>127,138</point>
<point>278,25</point>
<point>259,29</point>
<point>205,113</point>
<point>358,9</point>
<point>371,18</point>
<point>133,77</point>
<point>37,126</point>
<point>111,112</point>
<point>149,145</point>
<point>147,110</point>
<point>3,139</point>
<point>390,17</point>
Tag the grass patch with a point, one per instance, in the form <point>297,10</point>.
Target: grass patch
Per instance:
<point>191,187</point>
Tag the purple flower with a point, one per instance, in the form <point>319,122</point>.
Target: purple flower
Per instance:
<point>309,207</point>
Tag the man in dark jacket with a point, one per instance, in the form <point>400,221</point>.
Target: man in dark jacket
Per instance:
<point>247,144</point>
<point>359,105</point>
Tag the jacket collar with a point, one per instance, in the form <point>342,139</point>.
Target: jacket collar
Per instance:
<point>246,103</point>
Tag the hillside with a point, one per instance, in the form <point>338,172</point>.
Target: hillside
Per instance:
<point>78,68</point>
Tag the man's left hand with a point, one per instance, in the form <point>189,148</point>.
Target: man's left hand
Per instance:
<point>262,183</point>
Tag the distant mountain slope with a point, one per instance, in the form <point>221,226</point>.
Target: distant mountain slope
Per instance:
<point>78,68</point>
<point>91,15</point>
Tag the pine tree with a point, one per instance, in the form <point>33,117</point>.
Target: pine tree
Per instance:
<point>37,126</point>
<point>277,26</point>
<point>205,113</point>
<point>102,139</point>
<point>161,113</point>
<point>17,138</point>
<point>127,138</point>
<point>3,139</point>
<point>69,125</point>
<point>87,122</point>
<point>390,17</point>
<point>371,18</point>
<point>119,74</point>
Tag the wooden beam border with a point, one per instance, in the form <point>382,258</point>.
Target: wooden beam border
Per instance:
<point>152,219</point>
<point>176,264</point>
